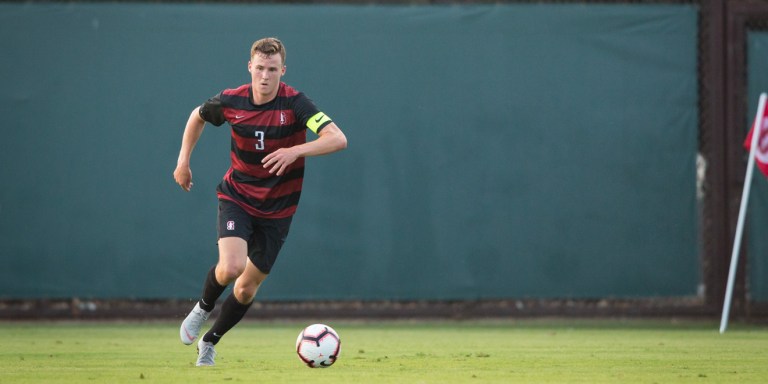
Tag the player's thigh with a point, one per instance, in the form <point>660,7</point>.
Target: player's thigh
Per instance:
<point>235,227</point>
<point>233,258</point>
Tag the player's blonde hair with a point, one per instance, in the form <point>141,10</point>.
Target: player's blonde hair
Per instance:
<point>268,46</point>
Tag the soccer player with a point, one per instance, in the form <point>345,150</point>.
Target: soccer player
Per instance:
<point>260,192</point>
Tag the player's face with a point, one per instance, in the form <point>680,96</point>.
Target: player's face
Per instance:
<point>266,72</point>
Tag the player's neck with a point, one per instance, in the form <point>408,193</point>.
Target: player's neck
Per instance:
<point>261,99</point>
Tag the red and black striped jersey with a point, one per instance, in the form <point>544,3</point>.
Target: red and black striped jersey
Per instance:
<point>258,130</point>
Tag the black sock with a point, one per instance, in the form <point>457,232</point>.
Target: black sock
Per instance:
<point>231,313</point>
<point>211,291</point>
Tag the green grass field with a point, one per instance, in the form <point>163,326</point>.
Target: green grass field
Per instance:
<point>535,351</point>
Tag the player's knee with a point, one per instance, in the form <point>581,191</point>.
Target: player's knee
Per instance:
<point>245,294</point>
<point>228,272</point>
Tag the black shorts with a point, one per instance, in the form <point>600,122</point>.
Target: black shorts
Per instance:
<point>265,237</point>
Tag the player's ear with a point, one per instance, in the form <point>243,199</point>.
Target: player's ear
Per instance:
<point>249,66</point>
<point>283,71</point>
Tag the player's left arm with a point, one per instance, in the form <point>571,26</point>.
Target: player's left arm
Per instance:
<point>330,139</point>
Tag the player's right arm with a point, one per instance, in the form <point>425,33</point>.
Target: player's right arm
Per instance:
<point>192,132</point>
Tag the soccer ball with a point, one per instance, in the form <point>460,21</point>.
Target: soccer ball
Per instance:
<point>318,346</point>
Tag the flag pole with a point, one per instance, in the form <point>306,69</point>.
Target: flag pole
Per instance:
<point>758,125</point>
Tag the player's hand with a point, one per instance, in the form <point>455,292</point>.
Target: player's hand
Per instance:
<point>278,161</point>
<point>183,177</point>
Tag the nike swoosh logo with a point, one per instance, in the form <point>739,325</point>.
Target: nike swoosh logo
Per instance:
<point>319,118</point>
<point>189,336</point>
<point>239,116</point>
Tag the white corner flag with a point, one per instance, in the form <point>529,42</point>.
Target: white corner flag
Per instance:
<point>757,144</point>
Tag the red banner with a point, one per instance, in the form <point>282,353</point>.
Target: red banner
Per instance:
<point>761,152</point>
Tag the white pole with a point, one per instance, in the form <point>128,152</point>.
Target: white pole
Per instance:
<point>742,213</point>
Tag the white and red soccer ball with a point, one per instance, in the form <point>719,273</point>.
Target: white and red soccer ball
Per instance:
<point>318,346</point>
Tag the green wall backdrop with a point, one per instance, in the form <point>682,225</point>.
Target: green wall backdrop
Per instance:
<point>757,212</point>
<point>496,151</point>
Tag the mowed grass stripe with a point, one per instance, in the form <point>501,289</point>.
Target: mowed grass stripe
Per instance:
<point>554,351</point>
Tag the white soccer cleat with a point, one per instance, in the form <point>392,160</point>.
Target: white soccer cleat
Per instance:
<point>190,327</point>
<point>205,353</point>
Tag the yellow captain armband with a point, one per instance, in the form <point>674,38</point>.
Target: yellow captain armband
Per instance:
<point>318,120</point>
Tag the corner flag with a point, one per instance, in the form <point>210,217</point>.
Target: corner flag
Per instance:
<point>758,152</point>
<point>761,152</point>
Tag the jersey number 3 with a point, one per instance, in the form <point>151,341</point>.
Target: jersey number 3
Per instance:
<point>259,140</point>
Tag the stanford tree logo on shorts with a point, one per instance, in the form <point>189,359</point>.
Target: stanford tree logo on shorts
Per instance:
<point>230,225</point>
